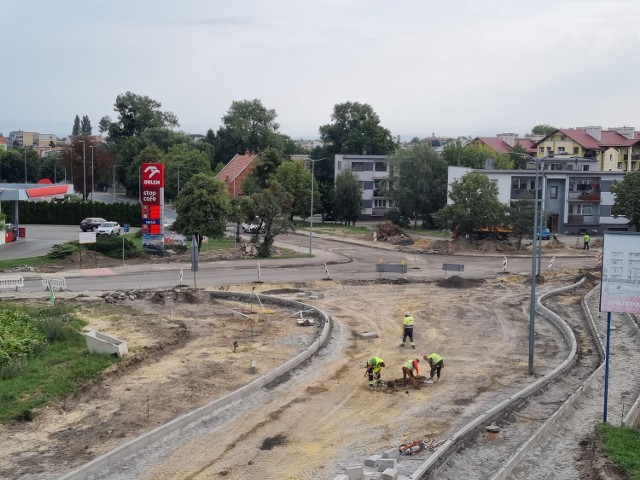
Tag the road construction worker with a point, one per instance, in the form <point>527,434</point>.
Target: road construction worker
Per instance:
<point>408,330</point>
<point>586,239</point>
<point>372,369</point>
<point>410,371</point>
<point>437,363</point>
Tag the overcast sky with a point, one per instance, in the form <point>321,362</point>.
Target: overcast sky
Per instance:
<point>452,67</point>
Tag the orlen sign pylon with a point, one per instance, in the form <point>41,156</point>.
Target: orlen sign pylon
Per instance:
<point>152,198</point>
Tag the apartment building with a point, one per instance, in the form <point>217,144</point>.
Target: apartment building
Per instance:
<point>372,172</point>
<point>574,200</point>
<point>21,138</point>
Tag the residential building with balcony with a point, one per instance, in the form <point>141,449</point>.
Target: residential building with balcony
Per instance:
<point>573,201</point>
<point>614,149</point>
<point>372,172</point>
<point>21,138</point>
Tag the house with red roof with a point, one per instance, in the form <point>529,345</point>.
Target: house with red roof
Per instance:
<point>234,172</point>
<point>503,143</point>
<point>614,149</point>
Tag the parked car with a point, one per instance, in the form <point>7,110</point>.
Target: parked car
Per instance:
<point>91,223</point>
<point>545,234</point>
<point>251,228</point>
<point>108,228</point>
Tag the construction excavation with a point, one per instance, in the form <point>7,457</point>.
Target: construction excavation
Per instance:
<point>267,382</point>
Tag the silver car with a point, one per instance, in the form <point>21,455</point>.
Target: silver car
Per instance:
<point>108,228</point>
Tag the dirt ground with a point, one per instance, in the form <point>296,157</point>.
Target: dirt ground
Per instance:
<point>316,422</point>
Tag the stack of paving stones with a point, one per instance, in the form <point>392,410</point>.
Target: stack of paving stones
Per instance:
<point>383,467</point>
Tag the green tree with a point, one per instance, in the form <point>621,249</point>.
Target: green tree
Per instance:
<point>418,182</point>
<point>348,198</point>
<point>75,131</point>
<point>518,155</point>
<point>543,129</point>
<point>453,153</point>
<point>296,180</point>
<point>202,208</point>
<point>520,217</point>
<point>136,114</point>
<point>185,161</point>
<point>273,207</point>
<point>248,126</point>
<point>12,166</point>
<point>354,128</point>
<point>85,126</point>
<point>627,199</point>
<point>475,206</point>
<point>270,159</point>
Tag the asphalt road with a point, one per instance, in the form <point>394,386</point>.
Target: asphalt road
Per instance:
<point>338,260</point>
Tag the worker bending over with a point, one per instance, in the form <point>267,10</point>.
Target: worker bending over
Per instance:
<point>373,367</point>
<point>437,363</point>
<point>410,371</point>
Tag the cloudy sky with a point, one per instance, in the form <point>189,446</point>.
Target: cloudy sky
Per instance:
<point>453,67</point>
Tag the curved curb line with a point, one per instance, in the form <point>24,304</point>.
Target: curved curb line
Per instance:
<point>179,423</point>
<point>468,429</point>
<point>532,442</point>
<point>635,408</point>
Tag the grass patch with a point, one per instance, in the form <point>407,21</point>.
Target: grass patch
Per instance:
<point>331,228</point>
<point>28,262</point>
<point>35,378</point>
<point>622,446</point>
<point>445,234</point>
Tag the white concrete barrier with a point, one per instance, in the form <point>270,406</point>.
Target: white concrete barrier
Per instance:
<point>15,281</point>
<point>98,342</point>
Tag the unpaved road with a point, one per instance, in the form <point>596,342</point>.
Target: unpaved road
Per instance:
<point>321,418</point>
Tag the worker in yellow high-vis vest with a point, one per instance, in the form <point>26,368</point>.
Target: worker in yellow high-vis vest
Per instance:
<point>372,369</point>
<point>437,363</point>
<point>410,371</point>
<point>408,329</point>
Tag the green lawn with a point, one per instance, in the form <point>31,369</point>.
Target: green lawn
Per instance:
<point>622,445</point>
<point>52,370</point>
<point>31,262</point>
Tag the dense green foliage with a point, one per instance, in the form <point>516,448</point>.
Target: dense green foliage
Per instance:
<point>272,206</point>
<point>475,206</point>
<point>72,213</point>
<point>418,183</point>
<point>202,208</point>
<point>296,180</point>
<point>348,199</point>
<point>43,356</point>
<point>627,198</point>
<point>622,445</point>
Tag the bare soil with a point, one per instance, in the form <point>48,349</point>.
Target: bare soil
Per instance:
<point>317,421</point>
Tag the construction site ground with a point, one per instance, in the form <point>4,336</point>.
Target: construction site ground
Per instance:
<point>316,421</point>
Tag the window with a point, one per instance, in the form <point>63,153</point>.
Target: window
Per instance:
<point>379,187</point>
<point>585,168</point>
<point>586,209</point>
<point>561,149</point>
<point>380,166</point>
<point>556,166</point>
<point>619,165</point>
<point>576,150</point>
<point>549,150</point>
<point>380,202</point>
<point>358,166</point>
<point>339,164</point>
<point>553,191</point>
<point>540,149</point>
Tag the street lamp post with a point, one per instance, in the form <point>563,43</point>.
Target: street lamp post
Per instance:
<point>534,273</point>
<point>84,170</point>
<point>92,184</point>
<point>313,164</point>
<point>114,181</point>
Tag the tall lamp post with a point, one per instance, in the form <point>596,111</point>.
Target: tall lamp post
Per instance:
<point>532,305</point>
<point>114,181</point>
<point>84,170</point>
<point>92,184</point>
<point>313,164</point>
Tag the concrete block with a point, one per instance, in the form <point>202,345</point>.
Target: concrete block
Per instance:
<point>384,463</point>
<point>341,477</point>
<point>355,472</point>
<point>367,335</point>
<point>391,453</point>
<point>389,474</point>
<point>98,342</point>
<point>372,461</point>
<point>254,366</point>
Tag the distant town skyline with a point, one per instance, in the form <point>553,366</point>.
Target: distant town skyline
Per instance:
<point>459,68</point>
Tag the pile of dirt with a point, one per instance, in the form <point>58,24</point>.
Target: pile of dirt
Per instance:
<point>425,245</point>
<point>555,245</point>
<point>459,282</point>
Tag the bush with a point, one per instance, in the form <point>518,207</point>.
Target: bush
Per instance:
<point>54,329</point>
<point>64,250</point>
<point>112,247</point>
<point>72,213</point>
<point>11,369</point>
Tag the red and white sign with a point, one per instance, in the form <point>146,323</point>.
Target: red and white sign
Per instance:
<point>152,175</point>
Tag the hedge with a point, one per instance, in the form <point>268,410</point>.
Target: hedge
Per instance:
<point>72,213</point>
